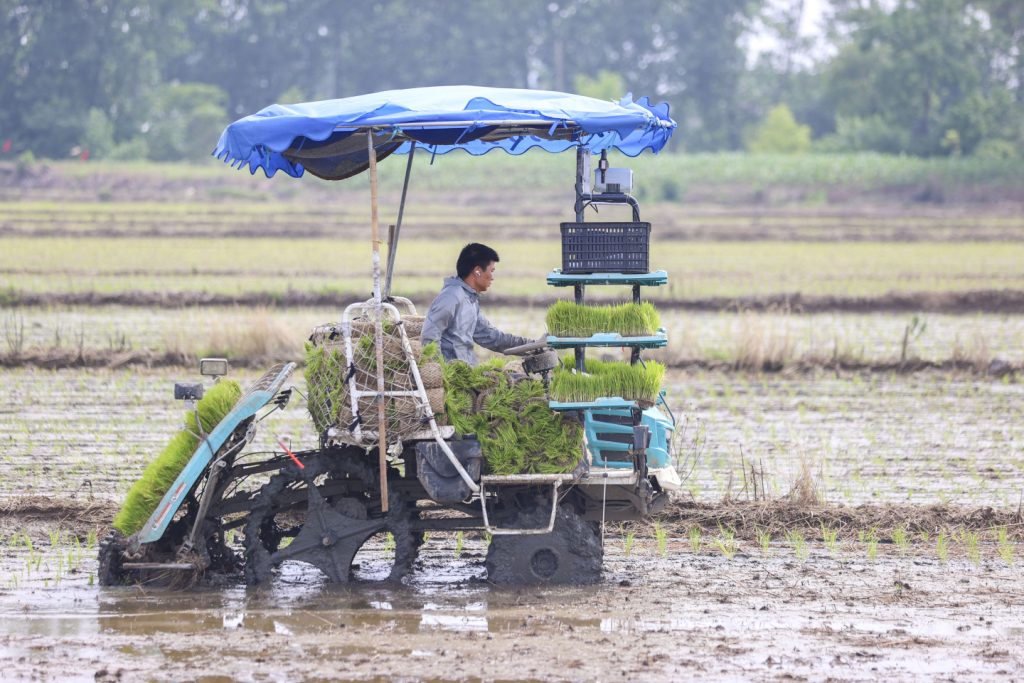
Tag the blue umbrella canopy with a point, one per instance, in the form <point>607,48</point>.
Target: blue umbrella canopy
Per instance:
<point>319,137</point>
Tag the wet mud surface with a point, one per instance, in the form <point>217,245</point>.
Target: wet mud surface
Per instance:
<point>718,604</point>
<point>661,618</point>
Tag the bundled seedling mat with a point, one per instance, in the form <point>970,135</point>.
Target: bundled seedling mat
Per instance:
<point>609,421</point>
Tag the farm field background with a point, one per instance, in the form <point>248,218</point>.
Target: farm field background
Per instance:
<point>866,285</point>
<point>846,347</point>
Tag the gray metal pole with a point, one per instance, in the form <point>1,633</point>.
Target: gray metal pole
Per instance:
<point>393,245</point>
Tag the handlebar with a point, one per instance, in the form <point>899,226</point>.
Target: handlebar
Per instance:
<point>526,349</point>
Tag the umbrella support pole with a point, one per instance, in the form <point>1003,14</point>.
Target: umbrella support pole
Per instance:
<point>378,327</point>
<point>393,238</point>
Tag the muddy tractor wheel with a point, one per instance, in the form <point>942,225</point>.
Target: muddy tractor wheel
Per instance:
<point>571,554</point>
<point>322,515</point>
<point>110,556</point>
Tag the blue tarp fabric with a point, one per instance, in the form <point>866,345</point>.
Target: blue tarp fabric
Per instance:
<point>313,136</point>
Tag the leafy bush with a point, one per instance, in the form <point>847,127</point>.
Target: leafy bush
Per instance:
<point>188,117</point>
<point>780,133</point>
<point>98,136</point>
<point>864,134</point>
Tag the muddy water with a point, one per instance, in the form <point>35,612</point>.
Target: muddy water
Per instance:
<point>844,616</point>
<point>659,618</point>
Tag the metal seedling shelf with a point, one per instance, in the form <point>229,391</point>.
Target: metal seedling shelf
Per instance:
<point>606,403</point>
<point>655,341</point>
<point>653,279</point>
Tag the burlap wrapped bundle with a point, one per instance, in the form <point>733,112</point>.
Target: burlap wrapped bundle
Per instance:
<point>327,374</point>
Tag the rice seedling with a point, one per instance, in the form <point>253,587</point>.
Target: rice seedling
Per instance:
<point>872,545</point>
<point>726,542</point>
<point>639,382</point>
<point>900,540</point>
<point>799,544</point>
<point>458,544</point>
<point>627,545</point>
<point>695,540</point>
<point>661,536</point>
<point>972,540</point>
<point>1003,545</point>
<point>764,540</point>
<point>830,537</point>
<point>516,429</point>
<point>569,319</point>
<point>149,489</point>
<point>942,547</point>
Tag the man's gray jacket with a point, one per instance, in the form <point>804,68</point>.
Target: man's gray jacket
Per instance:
<point>455,320</point>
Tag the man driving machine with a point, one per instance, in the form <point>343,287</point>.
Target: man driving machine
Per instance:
<point>454,318</point>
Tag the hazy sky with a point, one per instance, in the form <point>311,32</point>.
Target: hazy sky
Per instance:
<point>811,24</point>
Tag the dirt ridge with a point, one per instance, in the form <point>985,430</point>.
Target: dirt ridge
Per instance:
<point>1010,301</point>
<point>747,518</point>
<point>66,359</point>
<point>744,518</point>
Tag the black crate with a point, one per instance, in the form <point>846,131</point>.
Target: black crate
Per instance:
<point>605,247</point>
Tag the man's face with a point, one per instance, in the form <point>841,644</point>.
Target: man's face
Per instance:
<point>481,278</point>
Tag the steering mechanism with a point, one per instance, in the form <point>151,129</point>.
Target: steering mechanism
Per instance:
<point>538,358</point>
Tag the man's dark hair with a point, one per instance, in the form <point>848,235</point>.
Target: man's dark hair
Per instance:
<point>474,255</point>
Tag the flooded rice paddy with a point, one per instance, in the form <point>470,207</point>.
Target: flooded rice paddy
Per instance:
<point>658,616</point>
<point>680,607</point>
<point>922,438</point>
<point>654,616</point>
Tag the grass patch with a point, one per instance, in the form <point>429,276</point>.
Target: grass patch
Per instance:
<point>146,493</point>
<point>569,319</point>
<point>631,382</point>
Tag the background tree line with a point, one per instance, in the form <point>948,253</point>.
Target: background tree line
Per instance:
<point>158,79</point>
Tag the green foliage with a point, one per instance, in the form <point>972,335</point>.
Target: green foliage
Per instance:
<point>98,136</point>
<point>859,133</point>
<point>607,85</point>
<point>189,116</point>
<point>569,319</point>
<point>780,133</point>
<point>923,78</point>
<point>631,382</point>
<point>156,479</point>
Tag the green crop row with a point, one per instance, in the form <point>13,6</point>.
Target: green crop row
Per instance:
<point>236,266</point>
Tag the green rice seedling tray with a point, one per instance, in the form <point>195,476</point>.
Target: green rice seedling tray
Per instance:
<point>653,279</point>
<point>655,341</point>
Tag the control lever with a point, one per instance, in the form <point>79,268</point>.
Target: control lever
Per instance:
<point>538,358</point>
<point>527,348</point>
